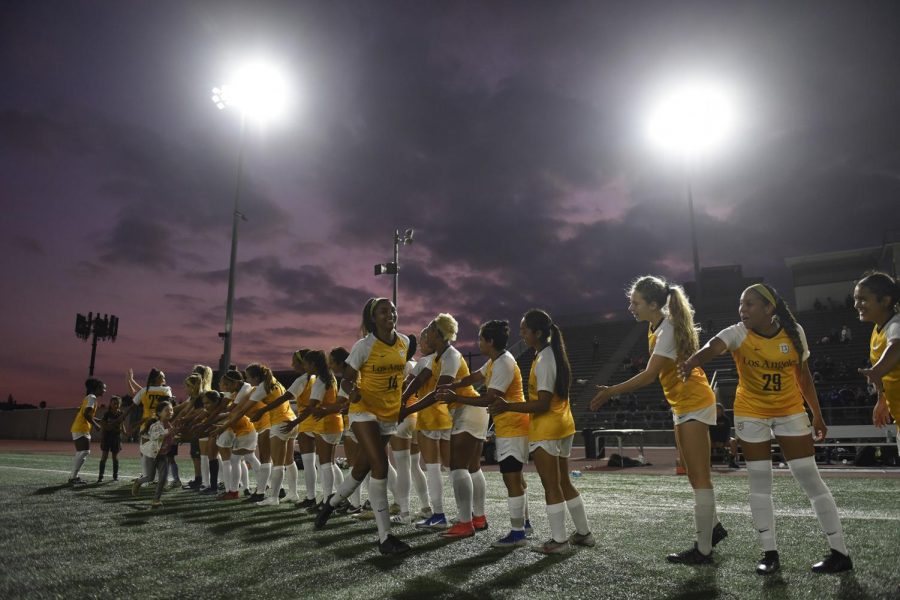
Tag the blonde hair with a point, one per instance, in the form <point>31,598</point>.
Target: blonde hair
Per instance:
<point>206,376</point>
<point>447,326</point>
<point>195,380</point>
<point>674,303</point>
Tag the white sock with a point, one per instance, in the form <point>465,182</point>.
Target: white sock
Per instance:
<point>309,474</point>
<point>346,490</point>
<point>762,509</point>
<point>276,480</point>
<point>704,518</point>
<point>262,477</point>
<point>807,475</point>
<point>204,470</point>
<point>435,487</point>
<point>291,472</point>
<point>318,473</point>
<point>418,480</point>
<point>516,506</point>
<point>78,461</point>
<point>526,500</point>
<point>225,473</point>
<point>401,495</point>
<point>579,517</point>
<point>245,474</point>
<point>236,462</point>
<point>354,497</point>
<point>327,479</point>
<point>378,499</point>
<point>462,492</point>
<point>479,492</point>
<point>556,515</point>
<point>338,474</point>
<point>392,481</point>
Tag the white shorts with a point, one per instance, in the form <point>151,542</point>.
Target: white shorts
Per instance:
<point>311,434</point>
<point>367,417</point>
<point>226,439</point>
<point>406,428</point>
<point>560,448</point>
<point>753,430</point>
<point>330,438</point>
<point>245,442</point>
<point>517,447</point>
<point>278,431</point>
<point>75,436</point>
<point>470,419</point>
<point>704,415</point>
<point>436,434</point>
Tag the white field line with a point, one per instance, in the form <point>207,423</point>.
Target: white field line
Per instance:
<point>68,472</point>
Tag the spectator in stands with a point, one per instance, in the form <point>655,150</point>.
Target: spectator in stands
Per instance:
<point>672,337</point>
<point>846,335</point>
<point>720,436</point>
<point>817,304</point>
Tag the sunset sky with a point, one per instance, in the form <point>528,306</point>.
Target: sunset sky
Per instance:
<point>509,135</point>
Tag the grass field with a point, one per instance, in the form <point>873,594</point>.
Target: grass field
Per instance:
<point>99,541</point>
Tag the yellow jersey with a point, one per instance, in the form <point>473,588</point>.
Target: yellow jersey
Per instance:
<point>683,396</point>
<point>326,395</point>
<point>503,375</point>
<point>557,423</point>
<point>80,424</point>
<point>452,364</point>
<point>437,416</point>
<point>261,398</point>
<point>768,372</point>
<point>878,343</point>
<point>380,367</point>
<point>309,424</point>
<point>149,397</point>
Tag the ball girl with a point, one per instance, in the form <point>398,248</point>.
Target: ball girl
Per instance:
<point>160,437</point>
<point>110,426</point>
<point>771,354</point>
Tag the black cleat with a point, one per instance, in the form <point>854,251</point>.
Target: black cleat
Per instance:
<point>769,563</point>
<point>325,513</point>
<point>833,563</point>
<point>282,494</point>
<point>315,508</point>
<point>307,503</point>
<point>392,545</point>
<point>690,557</point>
<point>719,533</point>
<point>256,498</point>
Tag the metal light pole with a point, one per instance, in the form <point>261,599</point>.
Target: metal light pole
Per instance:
<point>690,195</point>
<point>103,328</point>
<point>393,268</point>
<point>229,304</point>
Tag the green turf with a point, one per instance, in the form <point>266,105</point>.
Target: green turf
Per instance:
<point>98,541</point>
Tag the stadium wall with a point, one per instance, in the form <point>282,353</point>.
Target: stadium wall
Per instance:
<point>51,424</point>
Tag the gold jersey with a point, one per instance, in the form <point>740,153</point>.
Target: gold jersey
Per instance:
<point>683,396</point>
<point>878,344</point>
<point>81,424</point>
<point>509,424</point>
<point>557,422</point>
<point>437,416</point>
<point>380,367</point>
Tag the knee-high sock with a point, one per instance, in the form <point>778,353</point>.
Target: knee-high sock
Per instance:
<point>291,473</point>
<point>262,477</point>
<point>214,473</point>
<point>762,509</point>
<point>479,492</point>
<point>556,515</point>
<point>245,473</point>
<point>579,517</point>
<point>327,479</point>
<point>704,518</point>
<point>78,461</point>
<point>435,486</point>
<point>516,506</point>
<point>254,465</point>
<point>378,499</point>
<point>338,474</point>
<point>345,490</point>
<point>204,470</point>
<point>526,501</point>
<point>276,480</point>
<point>115,467</point>
<point>225,470</point>
<point>354,496</point>
<point>236,462</point>
<point>462,492</point>
<point>309,474</point>
<point>366,483</point>
<point>392,481</point>
<point>418,480</point>
<point>807,475</point>
<point>401,491</point>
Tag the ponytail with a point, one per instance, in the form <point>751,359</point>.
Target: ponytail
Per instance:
<point>784,315</point>
<point>206,375</point>
<point>674,303</point>
<point>538,320</point>
<point>264,374</point>
<point>317,359</point>
<point>154,373</point>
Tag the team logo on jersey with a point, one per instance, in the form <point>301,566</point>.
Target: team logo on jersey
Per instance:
<point>784,348</point>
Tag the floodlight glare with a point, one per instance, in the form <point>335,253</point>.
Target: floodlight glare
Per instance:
<point>258,89</point>
<point>693,119</point>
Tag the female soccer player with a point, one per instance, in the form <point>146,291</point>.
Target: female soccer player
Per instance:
<point>110,426</point>
<point>81,426</point>
<point>401,445</point>
<point>502,378</point>
<point>877,299</point>
<point>770,351</point>
<point>236,434</point>
<point>324,408</point>
<point>377,362</point>
<point>672,338</point>
<point>551,429</point>
<point>267,390</point>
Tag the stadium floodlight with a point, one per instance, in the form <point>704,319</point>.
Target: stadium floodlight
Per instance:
<point>257,88</point>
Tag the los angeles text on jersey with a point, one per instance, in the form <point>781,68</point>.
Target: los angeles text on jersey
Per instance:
<point>395,368</point>
<point>776,365</point>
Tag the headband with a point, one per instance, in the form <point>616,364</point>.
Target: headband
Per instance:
<point>375,302</point>
<point>764,292</point>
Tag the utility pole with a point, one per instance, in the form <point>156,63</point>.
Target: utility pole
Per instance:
<point>97,327</point>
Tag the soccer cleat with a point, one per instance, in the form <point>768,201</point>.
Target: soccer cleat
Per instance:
<point>210,491</point>
<point>392,545</point>
<point>156,504</point>
<point>514,539</point>
<point>201,488</point>
<point>586,540</point>
<point>459,530</point>
<point>247,492</point>
<point>352,511</point>
<point>293,498</point>
<point>480,523</point>
<point>76,481</point>
<point>424,513</point>
<point>135,487</point>
<point>436,521</point>
<point>193,484</point>
<point>256,498</point>
<point>394,508</point>
<point>835,562</point>
<point>528,528</point>
<point>692,556</point>
<point>769,563</point>
<point>282,494</point>
<point>324,513</point>
<point>100,479</point>
<point>306,503</point>
<point>400,519</point>
<point>551,546</point>
<point>314,509</point>
<point>229,496</point>
<point>719,533</point>
<point>342,507</point>
<point>176,484</point>
<point>270,501</point>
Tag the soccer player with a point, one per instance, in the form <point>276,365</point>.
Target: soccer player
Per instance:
<point>672,338</point>
<point>267,389</point>
<point>325,411</point>
<point>401,445</point>
<point>373,379</point>
<point>771,353</point>
<point>236,434</point>
<point>110,426</point>
<point>81,426</point>
<point>877,299</point>
<point>551,429</point>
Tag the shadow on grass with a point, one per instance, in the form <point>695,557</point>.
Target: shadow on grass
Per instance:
<point>51,489</point>
<point>851,588</point>
<point>701,584</point>
<point>389,563</point>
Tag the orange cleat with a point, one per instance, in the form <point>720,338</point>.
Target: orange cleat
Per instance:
<point>460,530</point>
